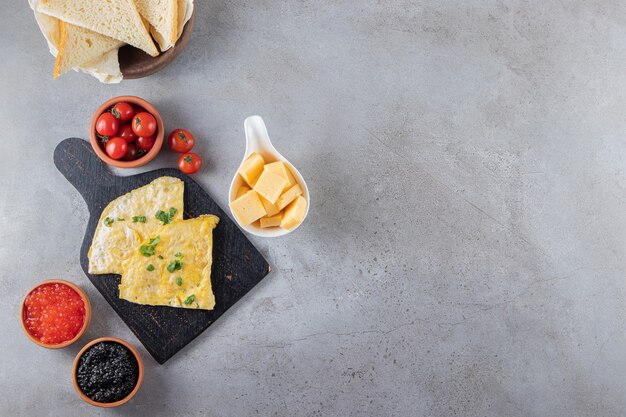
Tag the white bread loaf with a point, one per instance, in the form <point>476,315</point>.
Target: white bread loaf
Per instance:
<point>78,46</point>
<point>118,19</point>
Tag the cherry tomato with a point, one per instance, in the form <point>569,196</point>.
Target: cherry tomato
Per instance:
<point>123,111</point>
<point>131,153</point>
<point>189,163</point>
<point>116,147</point>
<point>181,140</point>
<point>107,124</point>
<point>144,124</point>
<point>126,133</point>
<point>145,142</point>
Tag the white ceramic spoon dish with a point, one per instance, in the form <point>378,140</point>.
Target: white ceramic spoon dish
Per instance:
<point>257,140</point>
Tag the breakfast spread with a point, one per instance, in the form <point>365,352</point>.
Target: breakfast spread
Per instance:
<point>272,195</point>
<point>106,372</point>
<point>54,313</point>
<point>164,260</point>
<point>86,35</point>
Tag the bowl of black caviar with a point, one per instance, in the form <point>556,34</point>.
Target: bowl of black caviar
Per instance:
<point>107,372</point>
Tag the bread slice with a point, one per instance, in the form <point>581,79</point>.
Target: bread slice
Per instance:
<point>117,19</point>
<point>78,46</point>
<point>162,15</point>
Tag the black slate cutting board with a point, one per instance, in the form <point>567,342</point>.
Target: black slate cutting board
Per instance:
<point>237,265</point>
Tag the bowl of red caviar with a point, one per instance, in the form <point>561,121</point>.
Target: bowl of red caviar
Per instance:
<point>55,313</point>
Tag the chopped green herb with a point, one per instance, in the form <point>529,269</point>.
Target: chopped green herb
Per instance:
<point>108,221</point>
<point>164,217</point>
<point>150,267</point>
<point>179,281</point>
<point>139,219</point>
<point>190,299</point>
<point>178,254</point>
<point>147,249</point>
<point>120,219</point>
<point>175,265</point>
<point>160,256</point>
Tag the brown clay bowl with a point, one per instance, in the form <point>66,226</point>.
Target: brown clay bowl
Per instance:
<point>139,377</point>
<point>135,63</point>
<point>85,324</point>
<point>152,153</point>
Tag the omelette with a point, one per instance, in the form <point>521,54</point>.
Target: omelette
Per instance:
<point>130,219</point>
<point>172,266</point>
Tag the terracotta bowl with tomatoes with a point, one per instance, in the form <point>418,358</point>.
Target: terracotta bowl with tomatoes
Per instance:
<point>126,132</point>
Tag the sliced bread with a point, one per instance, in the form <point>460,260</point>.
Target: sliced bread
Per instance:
<point>78,46</point>
<point>162,16</point>
<point>118,19</point>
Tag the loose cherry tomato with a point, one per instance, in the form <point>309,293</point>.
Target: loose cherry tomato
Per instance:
<point>144,124</point>
<point>116,147</point>
<point>189,163</point>
<point>131,153</point>
<point>107,124</point>
<point>181,140</point>
<point>126,133</point>
<point>123,111</point>
<point>145,142</point>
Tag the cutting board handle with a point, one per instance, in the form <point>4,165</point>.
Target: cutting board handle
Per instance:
<point>75,159</point>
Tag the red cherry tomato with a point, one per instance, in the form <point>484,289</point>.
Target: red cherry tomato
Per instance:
<point>123,111</point>
<point>116,147</point>
<point>145,142</point>
<point>181,140</point>
<point>189,163</point>
<point>107,124</point>
<point>132,153</point>
<point>144,124</point>
<point>126,133</point>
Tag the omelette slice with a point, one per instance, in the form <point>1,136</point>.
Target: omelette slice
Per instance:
<point>130,219</point>
<point>173,266</point>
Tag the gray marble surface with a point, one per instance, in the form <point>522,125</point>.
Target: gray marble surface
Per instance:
<point>465,252</point>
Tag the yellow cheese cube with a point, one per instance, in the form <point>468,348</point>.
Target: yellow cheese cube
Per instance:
<point>270,208</point>
<point>271,221</point>
<point>288,196</point>
<point>248,208</point>
<point>251,168</point>
<point>270,186</point>
<point>294,213</point>
<point>242,190</point>
<point>281,169</point>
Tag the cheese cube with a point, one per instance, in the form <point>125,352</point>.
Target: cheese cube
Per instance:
<point>241,191</point>
<point>251,168</point>
<point>248,208</point>
<point>294,213</point>
<point>270,208</point>
<point>288,196</point>
<point>281,169</point>
<point>271,221</point>
<point>270,186</point>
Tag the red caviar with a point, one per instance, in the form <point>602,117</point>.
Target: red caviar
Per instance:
<point>54,313</point>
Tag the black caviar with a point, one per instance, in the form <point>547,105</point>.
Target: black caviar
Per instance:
<point>107,372</point>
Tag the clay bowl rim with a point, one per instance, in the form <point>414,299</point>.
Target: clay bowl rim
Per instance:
<point>152,153</point>
<point>124,400</point>
<point>82,331</point>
